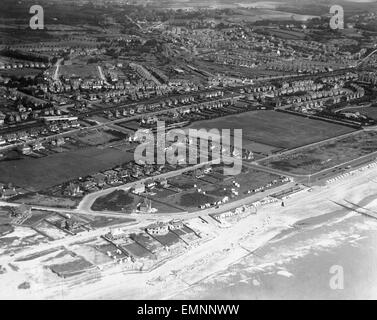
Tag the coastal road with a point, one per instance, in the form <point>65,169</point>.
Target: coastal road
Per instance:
<point>141,221</point>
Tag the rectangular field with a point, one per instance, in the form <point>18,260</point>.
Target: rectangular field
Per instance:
<point>277,129</point>
<point>82,71</point>
<point>43,173</point>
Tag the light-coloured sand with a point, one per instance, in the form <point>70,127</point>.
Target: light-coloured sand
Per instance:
<point>201,262</point>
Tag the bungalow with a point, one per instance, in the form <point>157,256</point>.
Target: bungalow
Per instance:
<point>89,184</point>
<point>38,146</point>
<point>150,184</point>
<point>138,188</point>
<point>25,149</point>
<point>158,228</point>
<point>8,193</point>
<point>175,224</point>
<point>99,179</point>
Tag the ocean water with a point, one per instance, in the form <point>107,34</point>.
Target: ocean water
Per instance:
<point>297,263</point>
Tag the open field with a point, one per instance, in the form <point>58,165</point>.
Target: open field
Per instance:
<point>126,202</point>
<point>286,34</point>
<point>277,129</point>
<point>81,71</point>
<point>326,155</point>
<point>47,200</point>
<point>118,200</point>
<point>43,173</point>
<point>100,222</point>
<point>96,137</point>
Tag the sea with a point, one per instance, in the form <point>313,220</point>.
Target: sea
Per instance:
<point>331,256</point>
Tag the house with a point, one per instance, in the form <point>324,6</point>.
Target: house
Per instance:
<point>73,189</point>
<point>25,149</point>
<point>60,142</point>
<point>151,184</point>
<point>138,188</point>
<point>158,228</point>
<point>8,193</point>
<point>99,179</point>
<point>89,184</point>
<point>116,234</point>
<point>163,183</point>
<point>175,224</point>
<point>38,146</point>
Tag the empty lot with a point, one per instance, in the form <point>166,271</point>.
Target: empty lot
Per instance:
<point>326,155</point>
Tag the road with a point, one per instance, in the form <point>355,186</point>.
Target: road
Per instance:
<point>110,122</point>
<point>142,220</point>
<point>229,90</point>
<point>57,67</point>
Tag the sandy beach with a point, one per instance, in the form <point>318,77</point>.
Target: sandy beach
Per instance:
<point>230,246</point>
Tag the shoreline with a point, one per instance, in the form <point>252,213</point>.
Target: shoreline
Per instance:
<point>229,246</point>
<point>186,278</point>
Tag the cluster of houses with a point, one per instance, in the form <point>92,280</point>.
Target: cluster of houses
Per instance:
<point>158,241</point>
<point>161,228</point>
<point>368,77</point>
<point>352,172</point>
<point>37,146</point>
<point>22,65</point>
<point>114,177</point>
<point>238,213</point>
<point>207,205</point>
<point>170,103</point>
<point>8,191</point>
<point>281,179</point>
<point>110,88</point>
<point>52,126</point>
<point>23,113</point>
<point>265,201</point>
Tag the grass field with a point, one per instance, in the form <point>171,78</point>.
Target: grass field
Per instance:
<point>287,34</point>
<point>118,200</point>
<point>43,173</point>
<point>47,200</point>
<point>326,155</point>
<point>276,129</point>
<point>82,71</point>
<point>96,137</point>
<point>122,201</point>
